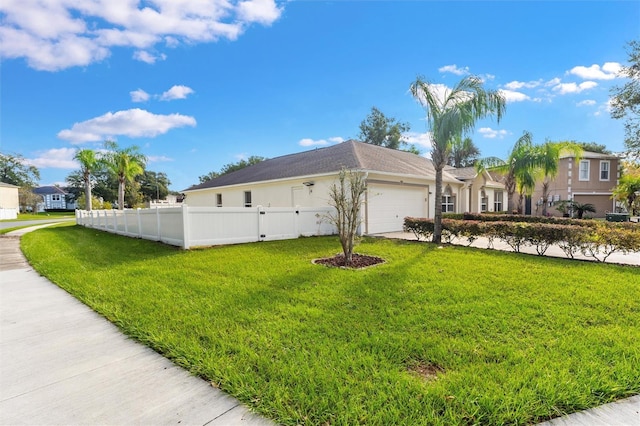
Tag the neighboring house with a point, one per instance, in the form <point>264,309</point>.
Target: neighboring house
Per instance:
<point>53,198</point>
<point>588,180</point>
<point>399,184</point>
<point>9,201</point>
<point>480,192</point>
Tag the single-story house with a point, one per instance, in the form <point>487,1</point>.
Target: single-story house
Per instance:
<point>481,193</point>
<point>399,184</point>
<point>53,198</point>
<point>9,201</point>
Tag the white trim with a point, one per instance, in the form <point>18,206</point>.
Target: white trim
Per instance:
<point>588,163</point>
<point>608,162</point>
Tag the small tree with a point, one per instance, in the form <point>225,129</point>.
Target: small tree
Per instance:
<point>346,196</point>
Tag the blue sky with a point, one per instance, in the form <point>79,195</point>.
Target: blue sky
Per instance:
<point>197,84</point>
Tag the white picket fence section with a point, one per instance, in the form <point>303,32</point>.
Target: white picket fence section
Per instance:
<point>188,227</point>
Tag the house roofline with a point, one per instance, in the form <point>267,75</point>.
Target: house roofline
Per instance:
<point>320,175</point>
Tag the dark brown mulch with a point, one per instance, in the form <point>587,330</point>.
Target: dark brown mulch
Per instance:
<point>358,261</point>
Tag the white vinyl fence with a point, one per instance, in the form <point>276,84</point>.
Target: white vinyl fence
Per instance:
<point>208,226</point>
<point>8,214</point>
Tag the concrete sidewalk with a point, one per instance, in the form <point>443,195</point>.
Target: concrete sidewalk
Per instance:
<point>632,258</point>
<point>61,363</point>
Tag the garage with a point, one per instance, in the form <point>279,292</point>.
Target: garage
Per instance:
<point>389,204</point>
<point>602,202</point>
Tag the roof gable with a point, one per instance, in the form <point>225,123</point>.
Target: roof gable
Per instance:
<point>350,155</point>
<point>48,190</point>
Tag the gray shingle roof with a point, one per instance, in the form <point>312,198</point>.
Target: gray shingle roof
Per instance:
<point>464,172</point>
<point>350,154</point>
<point>46,190</point>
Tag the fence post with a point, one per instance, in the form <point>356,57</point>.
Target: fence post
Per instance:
<point>158,230</point>
<point>185,227</point>
<point>139,223</point>
<point>261,223</point>
<point>115,221</point>
<point>126,225</point>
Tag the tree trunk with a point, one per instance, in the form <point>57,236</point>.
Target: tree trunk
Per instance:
<point>437,218</point>
<point>545,197</point>
<point>121,194</point>
<point>87,195</point>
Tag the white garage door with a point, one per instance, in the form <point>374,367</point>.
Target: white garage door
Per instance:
<point>388,205</point>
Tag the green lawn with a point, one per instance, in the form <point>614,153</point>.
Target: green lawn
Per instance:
<point>514,339</point>
<point>39,216</point>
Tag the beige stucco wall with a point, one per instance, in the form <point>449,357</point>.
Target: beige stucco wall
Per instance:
<point>9,197</point>
<point>567,185</point>
<point>472,195</point>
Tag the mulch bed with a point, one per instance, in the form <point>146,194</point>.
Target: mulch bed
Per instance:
<point>359,261</point>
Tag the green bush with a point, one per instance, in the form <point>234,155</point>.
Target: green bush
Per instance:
<point>597,239</point>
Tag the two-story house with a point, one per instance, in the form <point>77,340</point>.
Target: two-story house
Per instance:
<point>53,198</point>
<point>590,179</point>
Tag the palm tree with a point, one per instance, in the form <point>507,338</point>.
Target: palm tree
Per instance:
<point>449,115</point>
<point>550,153</point>
<point>464,152</point>
<point>126,164</point>
<point>88,164</point>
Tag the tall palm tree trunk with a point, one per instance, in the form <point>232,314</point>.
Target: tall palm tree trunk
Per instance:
<point>87,192</point>
<point>437,218</point>
<point>120,194</point>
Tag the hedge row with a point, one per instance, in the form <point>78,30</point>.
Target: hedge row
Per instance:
<point>599,240</point>
<point>484,217</point>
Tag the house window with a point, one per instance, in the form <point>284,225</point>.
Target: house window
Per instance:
<point>219,200</point>
<point>484,200</point>
<point>247,198</point>
<point>448,201</point>
<point>604,170</point>
<point>497,201</point>
<point>584,170</point>
<point>55,197</point>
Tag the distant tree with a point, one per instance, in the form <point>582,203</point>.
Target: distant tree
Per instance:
<point>625,102</point>
<point>592,147</point>
<point>88,164</point>
<point>125,164</point>
<point>378,129</point>
<point>153,185</point>
<point>15,171</point>
<point>449,115</point>
<point>346,196</point>
<point>464,152</point>
<point>27,199</point>
<point>232,167</point>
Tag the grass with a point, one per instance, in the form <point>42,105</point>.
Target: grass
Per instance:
<point>507,338</point>
<point>40,216</point>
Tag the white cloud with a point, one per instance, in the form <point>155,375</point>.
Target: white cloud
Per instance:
<point>512,96</point>
<point>53,35</point>
<point>158,158</point>
<point>515,85</point>
<point>553,82</point>
<point>490,133</point>
<point>453,69</point>
<point>56,158</point>
<point>133,123</point>
<point>262,11</point>
<point>144,56</point>
<point>586,102</point>
<point>564,88</point>
<point>421,140</point>
<point>139,95</point>
<point>608,71</point>
<point>321,142</point>
<point>176,92</point>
